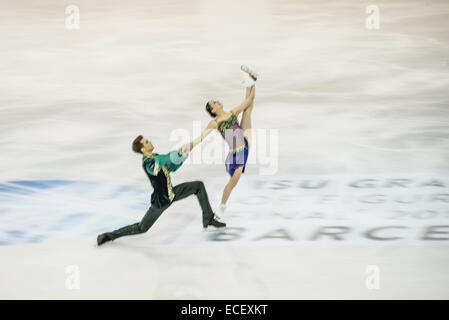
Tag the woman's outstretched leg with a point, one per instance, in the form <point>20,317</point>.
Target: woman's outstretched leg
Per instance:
<point>245,123</point>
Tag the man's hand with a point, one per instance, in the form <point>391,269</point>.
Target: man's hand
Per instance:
<point>185,149</point>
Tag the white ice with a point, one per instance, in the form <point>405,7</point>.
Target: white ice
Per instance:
<point>345,100</point>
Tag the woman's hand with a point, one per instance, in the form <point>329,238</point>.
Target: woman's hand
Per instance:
<point>185,149</point>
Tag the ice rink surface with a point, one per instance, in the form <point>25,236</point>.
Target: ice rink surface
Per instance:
<point>354,183</point>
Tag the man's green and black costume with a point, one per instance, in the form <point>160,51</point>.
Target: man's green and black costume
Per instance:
<point>158,168</point>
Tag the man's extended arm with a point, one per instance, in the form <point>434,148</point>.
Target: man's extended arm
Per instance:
<point>172,161</point>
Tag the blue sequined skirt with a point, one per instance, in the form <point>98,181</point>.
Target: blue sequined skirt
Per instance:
<point>237,159</point>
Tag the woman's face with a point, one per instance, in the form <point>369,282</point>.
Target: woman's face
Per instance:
<point>216,106</point>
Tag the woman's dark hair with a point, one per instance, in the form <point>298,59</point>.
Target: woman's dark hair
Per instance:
<point>209,109</point>
<point>137,144</point>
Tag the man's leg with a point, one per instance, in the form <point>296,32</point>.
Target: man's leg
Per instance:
<point>186,189</point>
<point>181,191</point>
<point>148,220</point>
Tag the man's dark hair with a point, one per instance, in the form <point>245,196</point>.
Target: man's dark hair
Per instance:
<point>137,144</point>
<point>209,109</point>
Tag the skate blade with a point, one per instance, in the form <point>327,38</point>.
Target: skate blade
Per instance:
<point>251,73</point>
<point>212,229</point>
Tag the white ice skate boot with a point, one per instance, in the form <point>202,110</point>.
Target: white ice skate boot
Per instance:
<point>220,211</point>
<point>249,76</point>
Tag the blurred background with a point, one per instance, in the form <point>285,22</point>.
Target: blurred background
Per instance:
<point>352,113</point>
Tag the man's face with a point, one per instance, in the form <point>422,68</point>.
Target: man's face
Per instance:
<point>147,146</point>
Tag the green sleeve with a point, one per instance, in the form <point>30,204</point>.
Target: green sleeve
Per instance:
<point>172,160</point>
<point>176,160</point>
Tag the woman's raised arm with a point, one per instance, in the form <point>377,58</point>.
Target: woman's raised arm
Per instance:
<point>187,148</point>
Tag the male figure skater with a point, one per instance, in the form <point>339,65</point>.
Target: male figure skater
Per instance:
<point>158,168</point>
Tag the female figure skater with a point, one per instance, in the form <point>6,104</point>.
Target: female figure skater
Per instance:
<point>237,135</point>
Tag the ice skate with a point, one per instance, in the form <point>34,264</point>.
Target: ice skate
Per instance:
<point>219,214</point>
<point>249,76</point>
<point>213,222</point>
<point>102,238</point>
